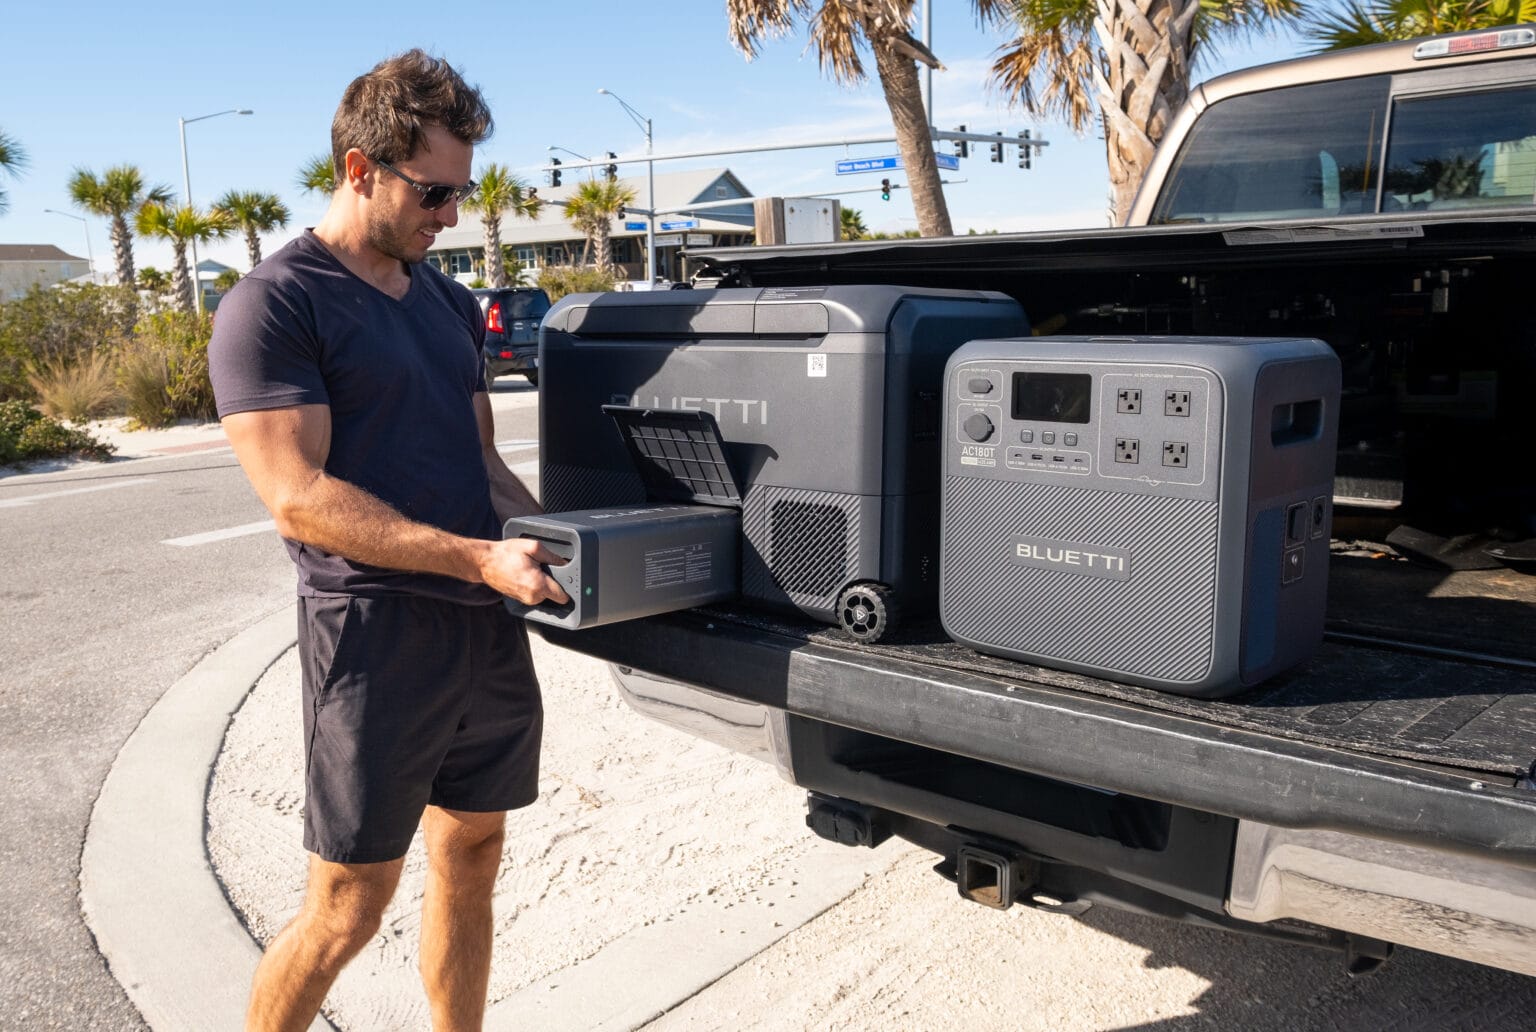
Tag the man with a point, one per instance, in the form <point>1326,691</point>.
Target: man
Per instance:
<point>349,380</point>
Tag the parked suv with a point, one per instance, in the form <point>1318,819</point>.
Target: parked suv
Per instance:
<point>512,317</point>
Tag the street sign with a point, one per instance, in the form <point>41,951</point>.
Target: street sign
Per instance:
<point>670,240</point>
<point>891,164</point>
<point>700,239</point>
<point>853,165</point>
<point>635,225</point>
<point>679,223</point>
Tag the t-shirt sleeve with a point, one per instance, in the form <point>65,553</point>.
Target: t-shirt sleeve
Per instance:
<point>265,351</point>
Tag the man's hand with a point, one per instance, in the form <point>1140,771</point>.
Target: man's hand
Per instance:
<point>515,567</point>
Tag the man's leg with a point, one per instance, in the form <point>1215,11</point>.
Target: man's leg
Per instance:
<point>463,854</point>
<point>343,905</point>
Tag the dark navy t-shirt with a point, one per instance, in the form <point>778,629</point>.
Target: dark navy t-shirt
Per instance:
<point>399,378</point>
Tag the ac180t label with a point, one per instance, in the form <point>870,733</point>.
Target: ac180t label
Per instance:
<point>1071,557</point>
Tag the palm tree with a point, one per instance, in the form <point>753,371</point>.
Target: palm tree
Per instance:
<point>1132,60</point>
<point>318,175</point>
<point>181,226</point>
<point>838,27</point>
<point>116,194</point>
<point>592,209</point>
<point>500,190</point>
<point>12,160</point>
<point>1362,22</point>
<point>853,224</point>
<point>254,214</point>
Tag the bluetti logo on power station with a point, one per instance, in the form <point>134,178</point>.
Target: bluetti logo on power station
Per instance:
<point>1072,557</point>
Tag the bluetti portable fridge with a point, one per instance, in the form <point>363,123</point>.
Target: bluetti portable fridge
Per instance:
<point>828,401</point>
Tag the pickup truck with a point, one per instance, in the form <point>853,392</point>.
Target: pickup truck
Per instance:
<point>1383,793</point>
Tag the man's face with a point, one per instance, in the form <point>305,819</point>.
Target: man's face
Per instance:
<point>398,226</point>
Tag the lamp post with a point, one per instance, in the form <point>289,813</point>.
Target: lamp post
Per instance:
<point>186,185</point>
<point>650,187</point>
<point>90,259</point>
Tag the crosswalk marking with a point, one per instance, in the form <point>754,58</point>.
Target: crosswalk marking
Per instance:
<point>260,527</point>
<point>16,503</point>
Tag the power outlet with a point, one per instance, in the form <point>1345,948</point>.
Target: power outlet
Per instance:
<point>1176,453</point>
<point>1128,400</point>
<point>1127,449</point>
<point>1175,403</point>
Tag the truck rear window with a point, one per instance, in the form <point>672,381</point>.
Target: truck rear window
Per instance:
<point>1314,151</point>
<point>1299,152</point>
<point>1463,150</point>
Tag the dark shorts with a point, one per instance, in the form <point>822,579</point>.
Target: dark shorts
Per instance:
<point>410,701</point>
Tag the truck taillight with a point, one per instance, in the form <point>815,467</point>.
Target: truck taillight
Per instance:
<point>493,319</point>
<point>1502,39</point>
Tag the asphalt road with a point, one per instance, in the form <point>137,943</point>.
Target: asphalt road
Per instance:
<point>101,616</point>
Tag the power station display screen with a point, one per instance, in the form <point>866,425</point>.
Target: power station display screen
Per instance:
<point>1052,397</point>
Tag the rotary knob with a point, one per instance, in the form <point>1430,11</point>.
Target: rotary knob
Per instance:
<point>978,427</point>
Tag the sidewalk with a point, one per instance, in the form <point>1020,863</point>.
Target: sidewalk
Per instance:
<point>651,865</point>
<point>183,438</point>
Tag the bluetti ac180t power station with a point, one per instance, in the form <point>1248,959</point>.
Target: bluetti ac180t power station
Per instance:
<point>1151,510</point>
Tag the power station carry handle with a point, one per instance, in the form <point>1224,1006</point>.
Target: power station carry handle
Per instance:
<point>567,575</point>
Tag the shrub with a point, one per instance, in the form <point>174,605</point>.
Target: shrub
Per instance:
<point>75,390</point>
<point>163,373</point>
<point>560,280</point>
<point>62,322</point>
<point>142,376</point>
<point>25,433</point>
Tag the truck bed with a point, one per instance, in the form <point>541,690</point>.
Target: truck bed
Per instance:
<point>1423,696</point>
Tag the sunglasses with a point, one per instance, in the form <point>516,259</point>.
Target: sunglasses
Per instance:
<point>433,195</point>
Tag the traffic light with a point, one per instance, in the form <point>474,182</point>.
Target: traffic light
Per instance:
<point>962,147</point>
<point>611,170</point>
<point>997,150</point>
<point>885,189</point>
<point>554,173</point>
<point>1026,149</point>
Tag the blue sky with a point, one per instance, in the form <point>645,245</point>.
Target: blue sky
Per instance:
<point>99,84</point>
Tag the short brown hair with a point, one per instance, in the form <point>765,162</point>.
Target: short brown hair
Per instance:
<point>385,112</point>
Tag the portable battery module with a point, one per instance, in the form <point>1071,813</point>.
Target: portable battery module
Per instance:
<point>678,550</point>
<point>1152,510</point>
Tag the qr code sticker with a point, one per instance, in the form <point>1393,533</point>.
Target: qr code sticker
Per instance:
<point>815,365</point>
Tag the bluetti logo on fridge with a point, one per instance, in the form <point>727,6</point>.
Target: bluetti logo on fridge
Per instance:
<point>1072,557</point>
<point>748,410</point>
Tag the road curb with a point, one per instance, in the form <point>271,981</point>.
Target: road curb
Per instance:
<point>148,891</point>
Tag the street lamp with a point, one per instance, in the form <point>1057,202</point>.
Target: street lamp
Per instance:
<point>186,185</point>
<point>90,259</point>
<point>650,175</point>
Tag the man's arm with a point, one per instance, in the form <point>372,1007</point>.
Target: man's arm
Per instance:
<point>509,497</point>
<point>283,453</point>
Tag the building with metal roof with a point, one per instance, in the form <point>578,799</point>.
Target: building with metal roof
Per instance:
<point>694,209</point>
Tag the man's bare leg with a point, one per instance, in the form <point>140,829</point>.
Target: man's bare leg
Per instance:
<point>463,854</point>
<point>343,905</point>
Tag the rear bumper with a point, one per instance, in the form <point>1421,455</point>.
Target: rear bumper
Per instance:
<point>1459,906</point>
<point>522,358</point>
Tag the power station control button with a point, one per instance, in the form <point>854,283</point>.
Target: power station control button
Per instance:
<point>979,385</point>
<point>1070,440</point>
<point>1048,437</point>
<point>978,427</point>
<point>1026,437</point>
